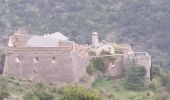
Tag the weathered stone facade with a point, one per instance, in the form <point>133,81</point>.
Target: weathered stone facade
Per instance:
<point>65,63</point>
<point>123,54</point>
<point>143,59</point>
<point>50,59</point>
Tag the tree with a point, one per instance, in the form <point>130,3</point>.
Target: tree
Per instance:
<point>156,71</point>
<point>165,80</point>
<point>135,77</point>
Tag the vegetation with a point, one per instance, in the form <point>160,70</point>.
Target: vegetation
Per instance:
<point>96,64</point>
<point>14,89</point>
<point>40,92</point>
<point>144,24</point>
<point>106,58</point>
<point>80,93</point>
<point>100,63</point>
<point>3,89</point>
<point>118,50</point>
<point>102,89</point>
<point>135,77</point>
<point>116,89</point>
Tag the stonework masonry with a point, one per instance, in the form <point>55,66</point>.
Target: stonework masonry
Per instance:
<point>55,61</point>
<point>117,68</point>
<point>65,63</point>
<point>51,66</point>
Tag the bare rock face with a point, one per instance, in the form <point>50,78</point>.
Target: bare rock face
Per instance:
<point>1,68</point>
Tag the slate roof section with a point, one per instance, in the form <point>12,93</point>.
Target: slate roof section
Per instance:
<point>56,35</point>
<point>40,41</point>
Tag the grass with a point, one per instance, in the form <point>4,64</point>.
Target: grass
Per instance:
<point>18,88</point>
<point>115,87</point>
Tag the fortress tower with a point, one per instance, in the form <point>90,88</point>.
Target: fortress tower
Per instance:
<point>95,40</point>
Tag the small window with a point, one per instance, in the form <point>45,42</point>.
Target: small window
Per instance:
<point>18,59</point>
<point>53,60</point>
<point>36,59</point>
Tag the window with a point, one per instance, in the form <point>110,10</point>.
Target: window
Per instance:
<point>53,60</point>
<point>36,59</point>
<point>18,59</point>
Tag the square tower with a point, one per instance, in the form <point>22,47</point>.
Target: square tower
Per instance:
<point>95,40</point>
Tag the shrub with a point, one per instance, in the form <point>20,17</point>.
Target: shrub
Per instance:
<point>156,71</point>
<point>3,89</point>
<point>103,52</point>
<point>135,77</point>
<point>118,49</point>
<point>80,93</point>
<point>84,79</point>
<point>40,92</point>
<point>96,64</point>
<point>154,85</point>
<point>107,58</point>
<point>99,64</point>
<point>90,69</point>
<point>165,79</point>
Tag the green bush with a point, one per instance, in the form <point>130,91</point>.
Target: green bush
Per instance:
<point>118,49</point>
<point>80,93</point>
<point>156,71</point>
<point>96,64</point>
<point>3,89</point>
<point>40,92</point>
<point>99,64</point>
<point>90,69</point>
<point>103,52</point>
<point>135,77</point>
<point>154,85</point>
<point>39,95</point>
<point>107,58</point>
<point>165,79</point>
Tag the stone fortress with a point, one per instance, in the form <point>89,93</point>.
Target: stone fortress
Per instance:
<point>124,56</point>
<point>52,58</point>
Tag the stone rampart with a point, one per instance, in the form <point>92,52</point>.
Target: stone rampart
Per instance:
<point>143,59</point>
<point>46,64</point>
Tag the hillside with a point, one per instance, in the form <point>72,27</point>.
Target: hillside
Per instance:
<point>18,89</point>
<point>109,89</point>
<point>145,24</point>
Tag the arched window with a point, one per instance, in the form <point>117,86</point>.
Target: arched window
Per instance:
<point>36,59</point>
<point>18,59</point>
<point>53,60</point>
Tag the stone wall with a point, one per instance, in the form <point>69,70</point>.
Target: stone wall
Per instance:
<point>50,65</point>
<point>19,40</point>
<point>116,68</point>
<point>143,59</point>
